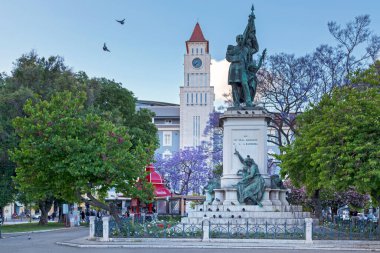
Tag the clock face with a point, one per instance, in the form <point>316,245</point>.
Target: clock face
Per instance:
<point>197,63</point>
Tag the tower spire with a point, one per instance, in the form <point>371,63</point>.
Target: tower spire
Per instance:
<point>197,36</point>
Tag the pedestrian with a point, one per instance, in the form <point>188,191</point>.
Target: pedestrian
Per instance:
<point>83,216</point>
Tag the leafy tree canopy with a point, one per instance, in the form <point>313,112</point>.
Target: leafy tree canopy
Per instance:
<point>35,77</point>
<point>72,153</point>
<point>338,143</point>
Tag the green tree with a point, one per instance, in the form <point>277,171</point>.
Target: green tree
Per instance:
<point>338,144</point>
<point>76,155</point>
<point>39,77</point>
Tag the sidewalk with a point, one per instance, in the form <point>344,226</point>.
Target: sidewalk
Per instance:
<point>224,243</point>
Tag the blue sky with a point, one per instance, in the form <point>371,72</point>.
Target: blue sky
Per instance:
<point>147,52</point>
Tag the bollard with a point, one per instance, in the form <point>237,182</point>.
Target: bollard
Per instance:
<point>206,230</point>
<point>106,226</point>
<point>309,230</point>
<point>92,227</point>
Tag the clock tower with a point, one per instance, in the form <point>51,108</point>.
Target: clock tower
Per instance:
<point>196,94</point>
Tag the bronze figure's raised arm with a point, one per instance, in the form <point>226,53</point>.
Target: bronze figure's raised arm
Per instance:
<point>251,187</point>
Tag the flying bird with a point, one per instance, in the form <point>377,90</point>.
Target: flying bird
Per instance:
<point>105,48</point>
<point>232,203</point>
<point>121,21</point>
<point>228,210</point>
<point>210,210</point>
<point>217,199</point>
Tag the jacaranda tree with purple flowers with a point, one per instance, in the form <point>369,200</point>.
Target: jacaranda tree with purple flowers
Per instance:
<point>187,171</point>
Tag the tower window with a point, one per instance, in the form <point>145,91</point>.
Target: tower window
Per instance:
<point>201,50</point>
<point>197,50</point>
<point>192,51</point>
<point>196,98</point>
<point>205,98</point>
<point>200,99</point>
<point>192,98</point>
<point>188,79</point>
<point>187,97</point>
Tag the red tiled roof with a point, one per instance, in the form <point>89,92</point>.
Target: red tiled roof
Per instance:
<point>197,36</point>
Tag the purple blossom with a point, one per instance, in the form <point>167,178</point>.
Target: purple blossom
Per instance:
<point>187,171</point>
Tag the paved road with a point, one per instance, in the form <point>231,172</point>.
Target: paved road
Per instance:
<point>46,243</point>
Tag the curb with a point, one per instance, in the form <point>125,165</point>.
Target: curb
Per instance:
<point>331,246</point>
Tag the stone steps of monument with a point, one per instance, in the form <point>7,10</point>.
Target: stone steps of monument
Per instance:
<point>237,208</point>
<point>251,214</point>
<point>244,221</point>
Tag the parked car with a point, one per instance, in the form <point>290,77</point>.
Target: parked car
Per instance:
<point>36,216</point>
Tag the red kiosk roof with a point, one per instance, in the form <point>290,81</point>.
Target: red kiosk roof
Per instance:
<point>159,188</point>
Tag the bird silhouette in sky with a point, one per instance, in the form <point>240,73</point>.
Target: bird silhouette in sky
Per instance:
<point>121,21</point>
<point>105,48</point>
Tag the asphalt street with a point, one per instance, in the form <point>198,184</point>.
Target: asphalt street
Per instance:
<point>46,243</point>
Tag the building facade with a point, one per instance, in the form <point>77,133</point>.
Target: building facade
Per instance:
<point>167,121</point>
<point>196,95</point>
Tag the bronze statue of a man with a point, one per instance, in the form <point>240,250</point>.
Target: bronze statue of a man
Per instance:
<point>242,72</point>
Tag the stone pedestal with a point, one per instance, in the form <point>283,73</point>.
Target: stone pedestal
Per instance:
<point>283,200</point>
<point>275,197</point>
<point>246,132</point>
<point>219,196</point>
<point>230,196</point>
<point>266,200</point>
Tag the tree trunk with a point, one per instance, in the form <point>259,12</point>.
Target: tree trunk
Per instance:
<point>317,204</point>
<point>44,206</point>
<point>114,214</point>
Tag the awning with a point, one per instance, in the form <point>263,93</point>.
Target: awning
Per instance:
<point>161,191</point>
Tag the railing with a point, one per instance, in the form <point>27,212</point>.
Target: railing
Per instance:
<point>98,222</point>
<point>153,229</point>
<point>346,230</point>
<point>130,228</point>
<point>258,231</point>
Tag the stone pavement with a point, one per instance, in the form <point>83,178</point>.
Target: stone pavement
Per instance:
<point>224,243</point>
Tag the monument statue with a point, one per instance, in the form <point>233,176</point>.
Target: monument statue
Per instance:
<point>251,187</point>
<point>276,182</point>
<point>213,183</point>
<point>242,73</point>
